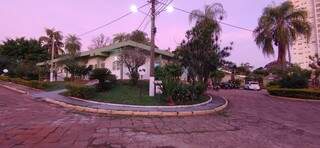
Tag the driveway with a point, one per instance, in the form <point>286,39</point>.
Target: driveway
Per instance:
<point>253,119</point>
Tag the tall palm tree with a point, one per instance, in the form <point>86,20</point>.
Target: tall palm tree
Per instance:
<point>46,41</point>
<point>280,26</point>
<point>212,13</point>
<point>72,44</point>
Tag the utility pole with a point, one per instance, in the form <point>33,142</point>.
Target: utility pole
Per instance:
<point>52,58</point>
<point>153,33</point>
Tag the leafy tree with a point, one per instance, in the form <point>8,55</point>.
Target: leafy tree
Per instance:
<point>76,70</point>
<point>212,13</point>
<point>244,69</point>
<point>73,44</point>
<point>139,36</point>
<point>280,26</point>
<point>295,77</point>
<point>315,66</point>
<point>21,55</point>
<point>133,59</point>
<point>46,41</point>
<point>120,37</point>
<point>100,41</point>
<point>104,76</point>
<point>200,53</point>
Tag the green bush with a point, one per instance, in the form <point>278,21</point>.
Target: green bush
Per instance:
<point>105,77</point>
<point>295,77</point>
<point>30,83</point>
<point>295,93</point>
<point>80,91</point>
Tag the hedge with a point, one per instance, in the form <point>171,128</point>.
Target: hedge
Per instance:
<point>80,91</point>
<point>295,93</point>
<point>30,83</point>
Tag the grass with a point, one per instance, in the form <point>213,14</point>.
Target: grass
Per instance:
<point>52,86</point>
<point>126,94</point>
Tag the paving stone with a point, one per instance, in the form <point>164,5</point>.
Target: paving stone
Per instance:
<point>252,120</point>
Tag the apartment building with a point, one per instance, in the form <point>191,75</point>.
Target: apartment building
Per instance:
<point>301,49</point>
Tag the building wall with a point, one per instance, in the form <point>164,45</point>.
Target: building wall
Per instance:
<point>110,62</point>
<point>301,49</point>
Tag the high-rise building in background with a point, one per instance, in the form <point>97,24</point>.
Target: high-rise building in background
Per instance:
<point>301,49</point>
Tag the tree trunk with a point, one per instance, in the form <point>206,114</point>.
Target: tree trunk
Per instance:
<point>282,55</point>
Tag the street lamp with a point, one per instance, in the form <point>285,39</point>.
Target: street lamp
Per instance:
<point>5,71</point>
<point>169,8</point>
<point>134,8</point>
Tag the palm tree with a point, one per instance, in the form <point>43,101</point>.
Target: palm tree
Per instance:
<point>280,26</point>
<point>46,41</point>
<point>73,44</point>
<point>212,13</point>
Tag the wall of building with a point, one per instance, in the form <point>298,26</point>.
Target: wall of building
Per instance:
<point>301,49</point>
<point>110,62</point>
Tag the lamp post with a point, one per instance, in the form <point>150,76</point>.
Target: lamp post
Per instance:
<point>52,59</point>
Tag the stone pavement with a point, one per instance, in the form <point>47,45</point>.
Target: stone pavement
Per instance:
<point>252,120</point>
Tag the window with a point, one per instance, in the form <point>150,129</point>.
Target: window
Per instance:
<point>116,65</point>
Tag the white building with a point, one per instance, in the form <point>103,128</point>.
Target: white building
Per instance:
<point>108,57</point>
<point>301,49</point>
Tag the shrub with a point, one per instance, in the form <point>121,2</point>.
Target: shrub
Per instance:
<point>173,88</point>
<point>294,77</point>
<point>105,78</point>
<point>80,91</point>
<point>33,83</point>
<point>295,93</point>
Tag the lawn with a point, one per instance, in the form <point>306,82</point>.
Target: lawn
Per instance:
<point>126,94</point>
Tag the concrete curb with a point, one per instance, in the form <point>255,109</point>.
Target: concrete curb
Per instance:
<point>139,106</point>
<point>138,113</point>
<point>14,89</point>
<point>293,99</point>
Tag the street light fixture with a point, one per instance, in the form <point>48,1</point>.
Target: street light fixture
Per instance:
<point>169,8</point>
<point>5,71</point>
<point>134,8</point>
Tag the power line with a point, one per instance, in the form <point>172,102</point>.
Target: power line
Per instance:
<point>224,23</point>
<point>111,22</point>
<point>159,10</point>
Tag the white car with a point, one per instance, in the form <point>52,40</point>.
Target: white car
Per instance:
<point>252,86</point>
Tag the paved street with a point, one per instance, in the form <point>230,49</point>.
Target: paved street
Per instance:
<point>252,120</point>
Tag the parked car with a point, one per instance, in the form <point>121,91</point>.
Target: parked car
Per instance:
<point>252,86</point>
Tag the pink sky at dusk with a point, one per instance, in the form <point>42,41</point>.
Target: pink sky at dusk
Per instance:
<point>29,18</point>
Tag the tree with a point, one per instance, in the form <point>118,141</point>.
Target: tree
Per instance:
<point>73,44</point>
<point>104,76</point>
<point>100,41</point>
<point>76,70</point>
<point>139,37</point>
<point>46,42</point>
<point>21,55</point>
<point>244,69</point>
<point>200,53</point>
<point>281,25</point>
<point>211,13</point>
<point>133,59</point>
<point>120,37</point>
<point>315,66</point>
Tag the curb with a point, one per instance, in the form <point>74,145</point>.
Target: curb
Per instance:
<point>139,106</point>
<point>138,113</point>
<point>14,89</point>
<point>293,99</point>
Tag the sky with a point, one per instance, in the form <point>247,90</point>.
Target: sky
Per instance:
<point>29,18</point>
